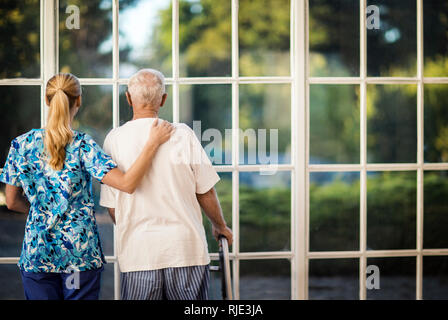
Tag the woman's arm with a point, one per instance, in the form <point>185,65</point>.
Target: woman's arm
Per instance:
<point>129,181</point>
<point>15,201</point>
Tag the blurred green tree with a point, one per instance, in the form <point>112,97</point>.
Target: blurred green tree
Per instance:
<point>20,39</point>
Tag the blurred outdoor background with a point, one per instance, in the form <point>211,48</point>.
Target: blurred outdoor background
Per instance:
<point>145,40</point>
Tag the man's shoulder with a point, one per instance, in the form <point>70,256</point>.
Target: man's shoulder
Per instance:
<point>28,140</point>
<point>183,129</point>
<point>111,136</point>
<point>114,133</point>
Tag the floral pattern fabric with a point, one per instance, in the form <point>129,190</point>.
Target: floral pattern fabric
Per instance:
<point>61,234</point>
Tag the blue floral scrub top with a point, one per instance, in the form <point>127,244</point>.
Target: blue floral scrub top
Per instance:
<point>61,234</point>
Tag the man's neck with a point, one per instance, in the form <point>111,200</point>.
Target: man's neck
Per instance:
<point>145,114</point>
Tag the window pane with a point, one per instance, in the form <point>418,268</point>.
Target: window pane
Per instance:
<point>333,279</point>
<point>20,113</point>
<point>11,287</point>
<point>334,38</point>
<point>391,210</point>
<point>20,45</point>
<point>435,20</point>
<point>205,38</point>
<point>12,228</point>
<point>211,105</point>
<point>103,221</point>
<point>107,282</point>
<point>436,123</point>
<point>95,115</point>
<point>265,110</point>
<point>391,123</point>
<point>215,287</point>
<point>265,211</point>
<point>334,211</point>
<point>334,124</point>
<point>265,280</point>
<point>95,118</point>
<point>435,221</point>
<point>145,36</point>
<point>224,190</point>
<point>392,48</point>
<point>397,278</point>
<point>87,51</point>
<point>435,278</point>
<point>264,41</point>
<point>126,114</point>
<point>21,107</point>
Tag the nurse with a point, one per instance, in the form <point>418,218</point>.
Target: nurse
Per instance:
<point>54,168</point>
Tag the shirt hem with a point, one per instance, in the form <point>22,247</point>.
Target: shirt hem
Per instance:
<point>94,266</point>
<point>209,186</point>
<point>107,204</point>
<point>105,171</point>
<point>14,183</point>
<point>197,262</point>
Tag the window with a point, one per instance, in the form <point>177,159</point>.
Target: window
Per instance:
<point>362,129</point>
<point>376,138</point>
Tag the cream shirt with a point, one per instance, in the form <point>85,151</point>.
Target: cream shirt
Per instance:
<point>160,224</point>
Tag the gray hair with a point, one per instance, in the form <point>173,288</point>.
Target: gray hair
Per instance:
<point>147,86</point>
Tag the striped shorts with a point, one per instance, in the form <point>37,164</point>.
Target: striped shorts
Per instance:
<point>182,283</point>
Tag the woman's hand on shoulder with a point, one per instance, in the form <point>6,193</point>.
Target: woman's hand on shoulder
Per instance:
<point>160,132</point>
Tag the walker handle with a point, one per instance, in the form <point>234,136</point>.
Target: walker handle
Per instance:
<point>224,261</point>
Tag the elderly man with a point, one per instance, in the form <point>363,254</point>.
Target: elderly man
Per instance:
<point>161,244</point>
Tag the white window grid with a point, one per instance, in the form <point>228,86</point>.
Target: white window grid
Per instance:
<point>300,169</point>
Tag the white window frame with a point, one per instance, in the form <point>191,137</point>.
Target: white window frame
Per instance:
<point>300,169</point>
<point>419,167</point>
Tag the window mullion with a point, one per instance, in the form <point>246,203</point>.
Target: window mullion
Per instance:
<point>235,147</point>
<point>49,50</point>
<point>116,123</point>
<point>300,138</point>
<point>175,58</point>
<point>420,153</point>
<point>363,150</point>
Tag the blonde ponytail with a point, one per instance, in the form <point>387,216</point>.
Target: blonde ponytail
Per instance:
<point>62,91</point>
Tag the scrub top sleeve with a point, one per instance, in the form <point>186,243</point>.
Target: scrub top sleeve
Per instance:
<point>96,162</point>
<point>10,172</point>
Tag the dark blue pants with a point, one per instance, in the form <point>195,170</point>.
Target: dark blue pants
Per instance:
<point>62,286</point>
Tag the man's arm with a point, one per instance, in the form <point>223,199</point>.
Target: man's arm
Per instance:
<point>15,201</point>
<point>210,204</point>
<point>112,213</point>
